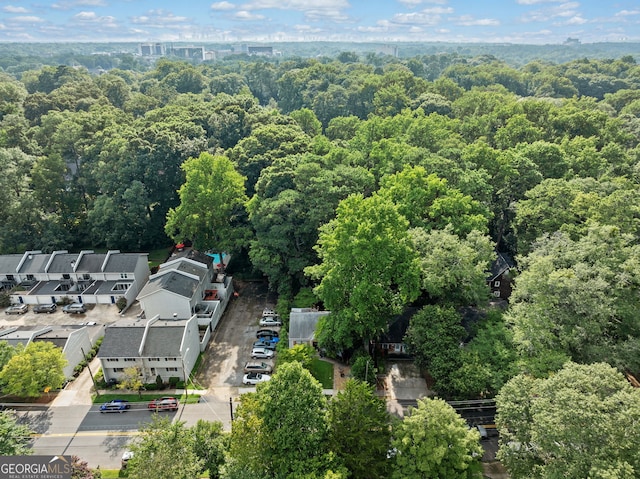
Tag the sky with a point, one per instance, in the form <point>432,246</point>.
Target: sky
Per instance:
<point>492,21</point>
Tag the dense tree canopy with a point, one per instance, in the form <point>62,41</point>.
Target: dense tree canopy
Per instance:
<point>576,423</point>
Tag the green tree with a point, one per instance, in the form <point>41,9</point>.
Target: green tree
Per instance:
<point>15,438</point>
<point>280,431</point>
<point>576,423</point>
<point>433,337</point>
<point>360,431</point>
<point>303,353</point>
<point>576,299</point>
<point>454,269</point>
<point>34,369</point>
<point>209,445</point>
<point>131,379</point>
<point>433,441</point>
<point>211,209</point>
<point>167,447</point>
<point>369,270</point>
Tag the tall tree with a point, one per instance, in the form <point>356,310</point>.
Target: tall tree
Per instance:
<point>211,211</point>
<point>33,370</point>
<point>165,447</point>
<point>15,438</point>
<point>360,431</point>
<point>434,442</point>
<point>576,423</point>
<point>369,270</point>
<point>280,431</point>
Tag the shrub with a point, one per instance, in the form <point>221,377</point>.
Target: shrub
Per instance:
<point>173,381</point>
<point>121,303</point>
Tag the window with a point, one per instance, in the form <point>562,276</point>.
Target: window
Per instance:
<point>120,286</point>
<point>31,277</point>
<point>172,370</point>
<point>496,294</point>
<point>118,370</point>
<point>496,284</point>
<point>124,275</point>
<point>169,359</point>
<point>86,276</point>
<point>129,359</point>
<point>9,277</point>
<point>153,371</point>
<point>112,360</point>
<point>154,359</point>
<point>66,276</point>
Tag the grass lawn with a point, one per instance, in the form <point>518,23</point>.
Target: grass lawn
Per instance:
<point>323,372</point>
<point>158,256</point>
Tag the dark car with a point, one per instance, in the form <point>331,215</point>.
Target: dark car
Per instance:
<point>267,332</point>
<point>116,405</point>
<point>265,344</point>
<point>74,308</point>
<point>45,308</point>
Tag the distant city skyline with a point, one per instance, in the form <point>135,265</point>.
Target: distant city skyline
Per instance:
<point>497,21</point>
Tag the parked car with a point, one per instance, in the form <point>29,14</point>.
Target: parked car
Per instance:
<point>164,404</point>
<point>265,344</point>
<point>270,321</point>
<point>255,378</point>
<point>261,353</point>
<point>269,339</point>
<point>258,367</point>
<point>269,312</point>
<point>267,332</point>
<point>45,308</point>
<point>74,308</point>
<point>17,309</point>
<point>125,459</point>
<point>116,405</point>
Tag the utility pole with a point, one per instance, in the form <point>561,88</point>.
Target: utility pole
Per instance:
<point>231,408</point>
<point>91,374</point>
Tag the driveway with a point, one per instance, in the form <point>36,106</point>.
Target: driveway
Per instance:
<point>229,349</point>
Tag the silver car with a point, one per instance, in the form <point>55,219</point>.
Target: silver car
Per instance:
<point>258,367</point>
<point>17,309</point>
<point>262,353</point>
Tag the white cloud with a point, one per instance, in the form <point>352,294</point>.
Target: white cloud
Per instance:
<point>438,10</point>
<point>69,4</point>
<point>536,2</point>
<point>222,6</point>
<point>28,19</point>
<point>469,21</point>
<point>576,20</point>
<point>627,13</point>
<point>568,9</point>
<point>248,16</point>
<point>159,18</point>
<point>415,3</point>
<point>12,9</point>
<point>415,19</point>
<point>298,5</point>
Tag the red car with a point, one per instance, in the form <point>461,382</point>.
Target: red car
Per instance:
<point>164,404</point>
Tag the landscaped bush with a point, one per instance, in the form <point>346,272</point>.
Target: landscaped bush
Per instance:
<point>173,381</point>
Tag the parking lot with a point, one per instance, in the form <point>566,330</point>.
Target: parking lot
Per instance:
<point>230,347</point>
<point>98,313</point>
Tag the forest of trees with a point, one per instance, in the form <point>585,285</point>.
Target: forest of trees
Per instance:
<point>381,183</point>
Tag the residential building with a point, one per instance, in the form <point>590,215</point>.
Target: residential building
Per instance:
<point>302,325</point>
<point>500,278</point>
<point>85,277</point>
<point>165,348</point>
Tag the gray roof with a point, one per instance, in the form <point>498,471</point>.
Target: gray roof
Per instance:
<point>123,262</point>
<point>302,324</point>
<point>121,341</point>
<point>9,263</point>
<point>35,263</point>
<point>173,281</point>
<point>164,339</point>
<point>502,263</point>
<point>63,263</point>
<point>192,269</point>
<point>90,263</point>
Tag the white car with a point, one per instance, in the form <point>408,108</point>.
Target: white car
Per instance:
<point>262,353</point>
<point>270,321</point>
<point>254,378</point>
